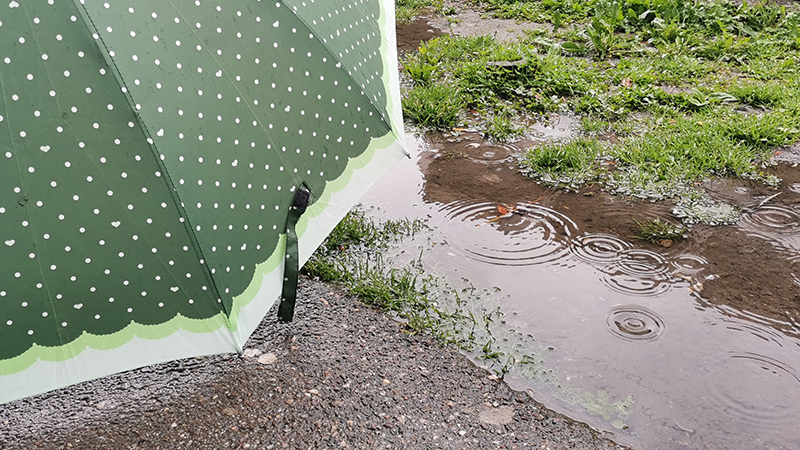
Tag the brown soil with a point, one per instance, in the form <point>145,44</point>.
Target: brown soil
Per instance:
<point>751,275</point>
<point>410,34</point>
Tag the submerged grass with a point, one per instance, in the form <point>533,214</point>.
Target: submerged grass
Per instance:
<point>691,89</point>
<point>656,230</point>
<point>358,255</point>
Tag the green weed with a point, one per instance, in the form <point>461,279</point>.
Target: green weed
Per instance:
<point>420,70</point>
<point>562,164</point>
<point>683,69</point>
<point>406,10</point>
<point>435,105</point>
<point>765,95</point>
<point>656,230</point>
<point>502,128</point>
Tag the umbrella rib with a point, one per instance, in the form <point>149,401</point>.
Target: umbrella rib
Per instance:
<point>349,75</point>
<point>170,184</point>
<point>297,179</point>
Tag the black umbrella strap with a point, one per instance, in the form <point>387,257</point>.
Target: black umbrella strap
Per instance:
<point>292,259</point>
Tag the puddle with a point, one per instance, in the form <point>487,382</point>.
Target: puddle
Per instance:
<point>409,35</point>
<point>612,332</point>
<point>777,224</point>
<point>635,323</point>
<point>520,235</point>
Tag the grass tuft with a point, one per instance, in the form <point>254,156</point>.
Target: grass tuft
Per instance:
<point>657,230</point>
<point>434,106</point>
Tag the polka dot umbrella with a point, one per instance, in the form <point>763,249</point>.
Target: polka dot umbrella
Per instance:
<point>154,158</point>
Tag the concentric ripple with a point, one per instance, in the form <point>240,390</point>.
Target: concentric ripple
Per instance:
<point>688,264</point>
<point>526,235</point>
<point>479,151</point>
<point>773,217</point>
<point>598,248</point>
<point>639,272</point>
<point>758,400</point>
<point>635,323</point>
<point>777,224</point>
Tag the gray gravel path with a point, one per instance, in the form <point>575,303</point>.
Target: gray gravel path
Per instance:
<point>340,376</point>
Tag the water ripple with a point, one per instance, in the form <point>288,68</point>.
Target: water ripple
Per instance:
<point>526,235</point>
<point>688,264</point>
<point>773,217</point>
<point>598,248</point>
<point>777,224</point>
<point>747,402</point>
<point>635,323</point>
<point>639,272</point>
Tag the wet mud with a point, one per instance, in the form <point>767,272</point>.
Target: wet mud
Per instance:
<point>410,34</point>
<point>756,263</point>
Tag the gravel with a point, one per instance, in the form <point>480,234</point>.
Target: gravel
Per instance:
<point>341,375</point>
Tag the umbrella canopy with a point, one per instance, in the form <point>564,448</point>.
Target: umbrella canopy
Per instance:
<point>150,154</point>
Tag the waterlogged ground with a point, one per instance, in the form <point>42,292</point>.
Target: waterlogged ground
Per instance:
<point>691,343</point>
<point>691,346</point>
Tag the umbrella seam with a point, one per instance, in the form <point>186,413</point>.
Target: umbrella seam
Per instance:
<point>349,75</point>
<point>255,116</point>
<point>170,185</point>
<point>33,234</point>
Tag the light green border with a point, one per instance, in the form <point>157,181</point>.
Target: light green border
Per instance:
<point>323,213</point>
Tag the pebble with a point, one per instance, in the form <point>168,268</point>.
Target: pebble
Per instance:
<point>267,358</point>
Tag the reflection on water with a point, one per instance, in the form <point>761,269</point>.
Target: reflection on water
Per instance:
<point>620,324</point>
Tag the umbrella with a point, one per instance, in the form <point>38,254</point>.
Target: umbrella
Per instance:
<point>166,165</point>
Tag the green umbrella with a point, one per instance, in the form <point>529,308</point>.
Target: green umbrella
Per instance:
<point>154,156</point>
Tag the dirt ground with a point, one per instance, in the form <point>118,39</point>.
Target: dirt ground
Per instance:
<point>341,375</point>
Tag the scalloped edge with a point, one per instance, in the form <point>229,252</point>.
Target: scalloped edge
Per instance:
<point>42,368</point>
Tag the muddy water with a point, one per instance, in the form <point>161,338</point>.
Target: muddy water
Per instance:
<point>626,340</point>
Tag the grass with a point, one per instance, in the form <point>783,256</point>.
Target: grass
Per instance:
<point>359,256</point>
<point>433,106</point>
<point>406,10</point>
<point>563,164</point>
<point>657,230</point>
<point>690,89</point>
<point>502,128</point>
<point>352,256</point>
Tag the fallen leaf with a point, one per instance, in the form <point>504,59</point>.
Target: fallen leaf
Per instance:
<point>627,82</point>
<point>503,210</point>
